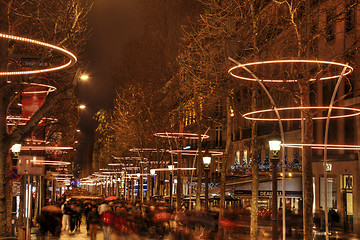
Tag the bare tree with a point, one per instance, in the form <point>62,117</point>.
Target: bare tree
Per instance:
<point>64,25</point>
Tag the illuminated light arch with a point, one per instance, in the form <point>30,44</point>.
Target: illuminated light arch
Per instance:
<point>116,164</point>
<point>346,70</point>
<point>48,162</point>
<point>137,174</point>
<point>70,63</point>
<point>36,141</point>
<point>126,158</point>
<point>109,173</point>
<point>252,115</point>
<point>47,88</point>
<point>22,120</point>
<point>194,152</point>
<point>349,69</point>
<point>147,150</point>
<point>323,146</point>
<point>63,175</point>
<point>167,169</point>
<point>131,168</point>
<point>181,135</point>
<point>44,148</point>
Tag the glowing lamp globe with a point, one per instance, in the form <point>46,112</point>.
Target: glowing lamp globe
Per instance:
<point>207,158</point>
<point>274,144</point>
<point>170,166</point>
<point>16,148</point>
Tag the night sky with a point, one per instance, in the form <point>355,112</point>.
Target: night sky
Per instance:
<point>120,31</point>
<point>112,23</point>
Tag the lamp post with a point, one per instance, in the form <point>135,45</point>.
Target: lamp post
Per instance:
<point>138,175</point>
<point>171,168</point>
<point>274,145</point>
<point>206,161</point>
<point>152,172</point>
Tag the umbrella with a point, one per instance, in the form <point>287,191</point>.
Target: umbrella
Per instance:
<point>51,208</point>
<point>111,198</point>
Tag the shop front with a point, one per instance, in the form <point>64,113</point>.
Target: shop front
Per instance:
<point>293,194</point>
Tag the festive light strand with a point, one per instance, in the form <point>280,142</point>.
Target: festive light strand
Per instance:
<point>252,115</point>
<point>349,69</point>
<point>70,63</point>
<point>181,135</point>
<point>322,146</point>
<point>194,152</point>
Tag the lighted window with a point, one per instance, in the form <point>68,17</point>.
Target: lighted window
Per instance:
<point>218,136</point>
<point>350,16</point>
<point>331,193</point>
<point>330,26</point>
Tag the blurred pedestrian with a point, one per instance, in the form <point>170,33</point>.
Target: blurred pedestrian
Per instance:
<point>103,207</point>
<point>86,213</point>
<point>107,218</point>
<point>49,222</point>
<point>78,215</point>
<point>94,222</point>
<point>66,215</point>
<point>73,216</point>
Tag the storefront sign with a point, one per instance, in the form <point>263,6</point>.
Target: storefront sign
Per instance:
<point>328,167</point>
<point>247,193</point>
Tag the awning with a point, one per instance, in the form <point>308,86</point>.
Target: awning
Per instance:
<point>293,188</point>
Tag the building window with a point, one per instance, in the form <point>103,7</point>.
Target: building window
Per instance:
<point>244,160</point>
<point>218,136</point>
<point>350,79</point>
<point>350,16</point>
<point>330,26</point>
<point>331,193</point>
<point>347,192</point>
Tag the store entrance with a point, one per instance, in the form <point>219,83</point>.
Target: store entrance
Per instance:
<point>347,192</point>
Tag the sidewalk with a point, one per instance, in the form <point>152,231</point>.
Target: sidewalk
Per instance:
<point>82,235</point>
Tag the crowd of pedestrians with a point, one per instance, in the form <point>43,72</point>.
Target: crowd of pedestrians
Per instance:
<point>134,221</point>
<point>128,220</point>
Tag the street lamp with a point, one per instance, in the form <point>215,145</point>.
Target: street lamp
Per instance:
<point>139,180</point>
<point>16,148</point>
<point>82,106</point>
<point>274,145</point>
<point>171,168</point>
<point>84,77</point>
<point>207,161</point>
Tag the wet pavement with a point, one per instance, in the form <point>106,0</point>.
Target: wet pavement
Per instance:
<point>82,235</point>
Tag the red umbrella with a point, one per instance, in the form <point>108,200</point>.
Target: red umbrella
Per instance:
<point>51,208</point>
<point>111,198</point>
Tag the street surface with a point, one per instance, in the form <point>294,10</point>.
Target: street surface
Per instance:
<point>82,235</point>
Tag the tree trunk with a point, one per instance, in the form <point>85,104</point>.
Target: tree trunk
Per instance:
<point>179,186</point>
<point>199,157</point>
<point>4,144</point>
<point>307,165</point>
<point>226,156</point>
<point>254,231</point>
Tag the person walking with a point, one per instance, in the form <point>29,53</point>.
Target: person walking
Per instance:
<point>107,218</point>
<point>86,213</point>
<point>94,221</point>
<point>66,215</point>
<point>49,222</point>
